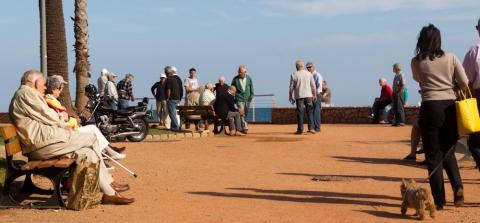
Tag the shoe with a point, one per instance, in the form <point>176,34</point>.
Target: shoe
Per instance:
<point>439,207</point>
<point>298,133</point>
<point>382,122</point>
<point>401,124</point>
<point>394,124</point>
<point>118,149</point>
<point>318,130</point>
<point>244,132</point>
<point>410,157</point>
<point>116,199</point>
<point>420,151</point>
<point>311,132</point>
<point>119,156</point>
<point>237,133</point>
<point>109,167</point>
<point>120,187</point>
<point>458,199</point>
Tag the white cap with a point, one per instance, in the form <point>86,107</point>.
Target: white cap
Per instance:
<point>163,76</point>
<point>112,74</point>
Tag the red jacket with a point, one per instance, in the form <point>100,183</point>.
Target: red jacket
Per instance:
<point>386,93</point>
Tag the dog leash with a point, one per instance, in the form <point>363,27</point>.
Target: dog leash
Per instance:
<point>441,162</point>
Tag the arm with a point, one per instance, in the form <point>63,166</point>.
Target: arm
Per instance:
<point>415,71</point>
<point>459,74</point>
<point>154,89</point>
<point>471,64</point>
<point>314,89</point>
<point>290,89</point>
<point>252,94</point>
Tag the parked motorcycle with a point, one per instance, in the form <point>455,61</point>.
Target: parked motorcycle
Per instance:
<point>130,123</point>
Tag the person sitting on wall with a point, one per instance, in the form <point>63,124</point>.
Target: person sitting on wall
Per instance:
<point>383,101</point>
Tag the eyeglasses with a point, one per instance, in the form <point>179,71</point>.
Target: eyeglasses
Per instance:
<point>309,67</point>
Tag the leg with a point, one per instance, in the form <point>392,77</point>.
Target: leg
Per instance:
<point>300,110</point>
<point>172,110</point>
<point>415,135</point>
<point>317,109</point>
<point>386,112</point>
<point>401,109</point>
<point>309,108</point>
<point>159,110</point>
<point>165,113</point>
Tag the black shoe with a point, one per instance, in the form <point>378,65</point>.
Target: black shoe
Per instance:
<point>458,199</point>
<point>439,207</point>
<point>409,157</point>
<point>394,124</point>
<point>298,133</point>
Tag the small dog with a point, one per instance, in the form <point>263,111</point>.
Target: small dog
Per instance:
<point>417,197</point>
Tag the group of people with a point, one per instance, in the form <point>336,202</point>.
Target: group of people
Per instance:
<point>440,76</point>
<point>307,90</point>
<point>46,131</point>
<point>391,98</point>
<point>229,102</point>
<point>116,95</point>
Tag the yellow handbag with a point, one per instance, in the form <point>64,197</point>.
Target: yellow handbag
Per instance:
<point>468,119</point>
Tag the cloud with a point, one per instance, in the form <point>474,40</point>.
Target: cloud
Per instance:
<point>344,7</point>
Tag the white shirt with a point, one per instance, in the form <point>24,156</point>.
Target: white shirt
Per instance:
<point>101,82</point>
<point>207,98</point>
<point>192,83</point>
<point>317,77</point>
<point>243,82</point>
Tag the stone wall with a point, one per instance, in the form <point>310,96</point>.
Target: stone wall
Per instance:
<point>4,119</point>
<point>339,115</point>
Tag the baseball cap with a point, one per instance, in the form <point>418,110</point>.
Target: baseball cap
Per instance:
<point>59,79</point>
<point>309,64</point>
<point>163,76</point>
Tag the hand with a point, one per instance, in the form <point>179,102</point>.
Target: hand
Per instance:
<point>292,101</point>
<point>314,98</point>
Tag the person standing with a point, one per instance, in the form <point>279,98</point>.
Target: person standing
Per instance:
<point>102,81</point>
<point>439,73</point>
<point>398,98</point>
<point>110,92</point>
<point>244,95</point>
<point>317,105</point>
<point>471,63</point>
<point>173,93</point>
<point>125,91</point>
<point>383,101</point>
<point>302,92</point>
<point>326,95</point>
<point>158,91</point>
<point>192,94</point>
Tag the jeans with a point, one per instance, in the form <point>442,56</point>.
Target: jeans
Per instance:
<point>172,111</point>
<point>474,138</point>
<point>399,111</point>
<point>113,105</point>
<point>302,105</point>
<point>317,113</point>
<point>122,104</point>
<point>438,126</point>
<point>245,105</point>
<point>377,107</point>
<point>236,123</point>
<point>386,112</point>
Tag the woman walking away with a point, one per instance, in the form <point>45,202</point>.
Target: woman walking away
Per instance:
<point>439,74</point>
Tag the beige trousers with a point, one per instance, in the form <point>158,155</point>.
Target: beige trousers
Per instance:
<point>82,145</point>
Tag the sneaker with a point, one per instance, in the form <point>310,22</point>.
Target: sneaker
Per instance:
<point>119,156</point>
<point>382,122</point>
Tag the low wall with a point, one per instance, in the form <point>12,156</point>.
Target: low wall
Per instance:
<point>339,115</point>
<point>4,119</point>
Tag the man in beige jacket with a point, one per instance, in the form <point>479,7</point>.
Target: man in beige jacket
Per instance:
<point>44,135</point>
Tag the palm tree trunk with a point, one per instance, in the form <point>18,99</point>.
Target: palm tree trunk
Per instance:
<point>57,57</point>
<point>82,66</point>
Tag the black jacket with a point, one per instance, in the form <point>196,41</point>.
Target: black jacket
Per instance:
<point>224,103</point>
<point>220,89</point>
<point>158,90</point>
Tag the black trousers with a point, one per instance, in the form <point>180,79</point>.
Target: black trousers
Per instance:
<point>438,125</point>
<point>474,139</point>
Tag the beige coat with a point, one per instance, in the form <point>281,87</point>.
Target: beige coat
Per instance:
<point>37,124</point>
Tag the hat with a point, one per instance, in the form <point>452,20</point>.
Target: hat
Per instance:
<point>112,74</point>
<point>309,64</point>
<point>59,79</point>
<point>163,76</point>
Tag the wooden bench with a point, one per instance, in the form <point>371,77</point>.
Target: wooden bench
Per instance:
<point>189,114</point>
<point>54,169</point>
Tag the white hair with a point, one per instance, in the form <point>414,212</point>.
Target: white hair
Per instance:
<point>173,70</point>
<point>30,76</point>
<point>104,72</point>
<point>221,78</point>
<point>382,79</point>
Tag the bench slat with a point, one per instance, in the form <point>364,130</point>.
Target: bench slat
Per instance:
<point>47,163</point>
<point>30,165</point>
<point>64,163</point>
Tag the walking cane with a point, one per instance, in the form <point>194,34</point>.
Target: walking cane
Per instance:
<point>120,165</point>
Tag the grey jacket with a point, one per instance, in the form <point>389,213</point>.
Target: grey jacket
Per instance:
<point>302,85</point>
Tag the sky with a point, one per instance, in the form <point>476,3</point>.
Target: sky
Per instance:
<point>351,42</point>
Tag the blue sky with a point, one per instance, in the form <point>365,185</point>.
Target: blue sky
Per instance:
<point>352,42</point>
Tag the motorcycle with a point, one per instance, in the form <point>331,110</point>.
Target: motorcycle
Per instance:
<point>130,123</point>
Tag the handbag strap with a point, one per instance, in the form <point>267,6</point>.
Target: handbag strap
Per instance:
<point>466,93</point>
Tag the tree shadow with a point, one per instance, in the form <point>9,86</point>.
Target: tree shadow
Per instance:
<point>307,196</point>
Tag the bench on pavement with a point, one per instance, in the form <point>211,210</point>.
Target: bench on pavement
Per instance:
<point>195,114</point>
<point>55,169</point>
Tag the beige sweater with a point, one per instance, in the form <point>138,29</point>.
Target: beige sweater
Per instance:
<point>438,78</point>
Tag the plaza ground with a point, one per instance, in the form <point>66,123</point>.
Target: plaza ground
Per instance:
<point>267,177</point>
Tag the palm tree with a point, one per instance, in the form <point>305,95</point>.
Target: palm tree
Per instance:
<point>82,66</point>
<point>57,59</point>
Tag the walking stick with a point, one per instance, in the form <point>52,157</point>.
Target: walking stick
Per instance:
<point>120,165</point>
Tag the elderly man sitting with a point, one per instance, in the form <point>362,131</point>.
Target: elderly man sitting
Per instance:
<point>44,134</point>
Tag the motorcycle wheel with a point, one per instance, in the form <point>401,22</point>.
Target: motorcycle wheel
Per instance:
<point>143,129</point>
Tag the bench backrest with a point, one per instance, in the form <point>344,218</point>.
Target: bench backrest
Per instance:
<point>195,110</point>
<point>12,142</point>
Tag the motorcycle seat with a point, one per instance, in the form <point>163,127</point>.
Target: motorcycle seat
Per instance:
<point>124,112</point>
